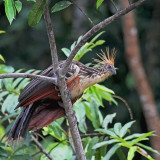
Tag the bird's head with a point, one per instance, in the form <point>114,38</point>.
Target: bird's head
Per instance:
<point>107,61</point>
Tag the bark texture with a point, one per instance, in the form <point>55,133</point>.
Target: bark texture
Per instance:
<point>132,52</point>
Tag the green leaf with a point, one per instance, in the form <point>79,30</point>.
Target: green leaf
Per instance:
<point>66,51</point>
<point>108,132</point>
<point>131,152</point>
<point>142,137</point>
<point>1,58</point>
<point>144,153</point>
<point>148,148</point>
<point>60,6</point>
<point>111,152</point>
<point>99,2</point>
<point>117,128</point>
<point>121,154</point>
<point>103,88</point>
<point>95,116</point>
<point>97,36</point>
<point>55,130</point>
<point>10,103</point>
<point>61,152</point>
<point>16,82</point>
<point>124,129</point>
<point>18,5</point>
<point>134,136</point>
<point>108,119</point>
<point>90,152</point>
<point>2,94</point>
<point>22,156</point>
<point>2,31</point>
<point>104,143</point>
<point>36,12</point>
<point>6,69</point>
<point>80,114</point>
<point>10,10</point>
<point>8,83</point>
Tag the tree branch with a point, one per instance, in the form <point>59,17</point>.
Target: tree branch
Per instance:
<point>65,93</point>
<point>132,53</point>
<point>26,75</point>
<point>51,39</point>
<point>95,29</point>
<point>41,148</point>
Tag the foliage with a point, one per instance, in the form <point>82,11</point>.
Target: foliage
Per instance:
<point>88,110</point>
<point>87,47</point>
<point>99,2</point>
<point>118,139</point>
<point>60,6</point>
<point>88,113</point>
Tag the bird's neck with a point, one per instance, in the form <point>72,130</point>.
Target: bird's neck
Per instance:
<point>92,75</point>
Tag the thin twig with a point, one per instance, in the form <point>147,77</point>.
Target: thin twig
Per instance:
<point>114,5</point>
<point>26,75</point>
<point>41,148</point>
<point>127,105</point>
<point>83,12</point>
<point>51,39</point>
<point>93,134</point>
<point>36,153</point>
<point>95,29</point>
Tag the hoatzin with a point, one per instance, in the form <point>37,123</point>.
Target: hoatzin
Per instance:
<point>40,99</point>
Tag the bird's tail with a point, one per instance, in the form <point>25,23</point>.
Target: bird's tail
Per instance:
<point>35,116</point>
<point>20,126</point>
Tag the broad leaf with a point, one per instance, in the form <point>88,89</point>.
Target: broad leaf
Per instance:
<point>111,152</point>
<point>10,10</point>
<point>108,119</point>
<point>2,31</point>
<point>18,5</point>
<point>103,88</point>
<point>148,148</point>
<point>99,2</point>
<point>124,129</point>
<point>90,152</point>
<point>134,136</point>
<point>60,152</point>
<point>117,128</point>
<point>131,152</point>
<point>104,143</point>
<point>141,138</point>
<point>108,132</point>
<point>36,12</point>
<point>60,6</point>
<point>10,103</point>
<point>1,58</point>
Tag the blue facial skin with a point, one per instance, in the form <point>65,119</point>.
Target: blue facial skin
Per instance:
<point>111,69</point>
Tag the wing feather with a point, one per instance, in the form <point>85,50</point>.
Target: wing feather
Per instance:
<point>38,89</point>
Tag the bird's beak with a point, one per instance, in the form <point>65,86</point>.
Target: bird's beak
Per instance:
<point>113,70</point>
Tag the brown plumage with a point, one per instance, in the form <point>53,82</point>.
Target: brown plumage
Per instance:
<point>40,99</point>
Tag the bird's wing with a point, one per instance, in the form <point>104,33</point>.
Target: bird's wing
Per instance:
<point>38,89</point>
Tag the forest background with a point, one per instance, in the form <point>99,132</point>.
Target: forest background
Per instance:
<point>26,47</point>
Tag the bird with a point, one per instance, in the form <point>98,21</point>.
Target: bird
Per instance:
<point>41,101</point>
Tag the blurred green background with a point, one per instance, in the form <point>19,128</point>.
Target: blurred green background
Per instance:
<point>26,47</point>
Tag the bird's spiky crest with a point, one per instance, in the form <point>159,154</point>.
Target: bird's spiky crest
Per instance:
<point>106,59</point>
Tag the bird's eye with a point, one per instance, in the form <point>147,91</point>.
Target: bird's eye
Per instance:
<point>108,66</point>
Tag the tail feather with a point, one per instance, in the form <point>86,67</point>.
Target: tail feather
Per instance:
<point>20,126</point>
<point>35,116</point>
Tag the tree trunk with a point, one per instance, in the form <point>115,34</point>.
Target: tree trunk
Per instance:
<point>132,52</point>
